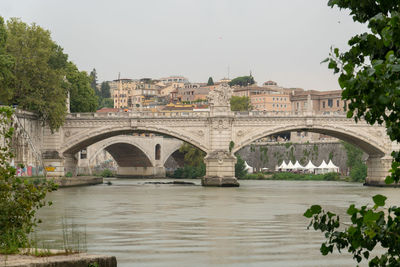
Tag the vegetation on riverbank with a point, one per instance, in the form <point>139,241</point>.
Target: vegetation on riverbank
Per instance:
<point>289,176</point>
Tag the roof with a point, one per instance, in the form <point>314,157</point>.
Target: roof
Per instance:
<point>108,110</point>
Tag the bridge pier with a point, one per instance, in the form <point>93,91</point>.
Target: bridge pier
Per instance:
<point>378,169</point>
<point>220,169</point>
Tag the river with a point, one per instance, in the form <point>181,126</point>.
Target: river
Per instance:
<point>259,223</point>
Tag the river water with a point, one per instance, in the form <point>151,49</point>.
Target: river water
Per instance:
<point>258,224</point>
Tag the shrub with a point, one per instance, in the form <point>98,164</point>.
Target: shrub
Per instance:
<point>68,174</point>
<point>107,173</point>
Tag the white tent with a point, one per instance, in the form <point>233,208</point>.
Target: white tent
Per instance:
<point>290,166</point>
<point>248,168</point>
<point>297,166</point>
<point>310,167</point>
<point>281,167</point>
<point>323,168</point>
<point>332,167</point>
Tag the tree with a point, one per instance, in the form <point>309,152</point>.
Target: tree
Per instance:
<point>6,65</point>
<point>19,199</point>
<point>105,90</point>
<point>358,169</point>
<point>38,72</point>
<point>193,155</point>
<point>210,81</point>
<point>107,103</point>
<point>370,78</point>
<point>242,81</point>
<point>240,103</point>
<point>83,97</point>
<point>93,81</point>
<point>240,168</point>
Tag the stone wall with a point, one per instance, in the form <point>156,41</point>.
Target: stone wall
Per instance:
<point>261,155</point>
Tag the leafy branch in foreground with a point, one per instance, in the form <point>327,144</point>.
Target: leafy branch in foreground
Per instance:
<point>370,69</point>
<point>370,227</point>
<point>19,198</point>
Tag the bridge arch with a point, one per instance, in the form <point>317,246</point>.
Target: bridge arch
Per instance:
<point>360,139</point>
<point>112,142</point>
<point>91,136</point>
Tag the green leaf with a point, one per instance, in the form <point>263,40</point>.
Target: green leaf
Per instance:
<point>370,216</point>
<point>351,210</point>
<point>379,200</point>
<point>396,68</point>
<point>389,180</point>
<point>314,209</point>
<point>349,114</point>
<point>325,60</point>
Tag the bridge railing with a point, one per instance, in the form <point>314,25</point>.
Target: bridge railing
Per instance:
<point>148,114</point>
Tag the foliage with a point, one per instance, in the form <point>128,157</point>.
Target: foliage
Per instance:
<point>83,97</point>
<point>105,90</point>
<point>38,72</point>
<point>332,176</point>
<point>107,103</point>
<point>370,79</point>
<point>358,173</point>
<point>210,81</point>
<point>190,171</point>
<point>253,176</point>
<point>370,69</point>
<point>107,173</point>
<point>6,64</point>
<point>231,145</point>
<point>358,169</point>
<point>240,103</point>
<point>369,228</point>
<point>68,174</point>
<point>193,156</point>
<point>242,81</point>
<point>93,81</point>
<point>240,168</point>
<point>19,199</point>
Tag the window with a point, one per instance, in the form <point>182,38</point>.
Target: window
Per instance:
<point>323,104</point>
<point>330,103</point>
<point>297,105</point>
<point>158,152</point>
<point>337,103</point>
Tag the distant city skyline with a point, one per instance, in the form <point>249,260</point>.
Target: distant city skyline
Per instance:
<point>283,41</point>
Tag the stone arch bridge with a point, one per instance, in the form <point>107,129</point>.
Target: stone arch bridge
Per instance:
<point>219,133</point>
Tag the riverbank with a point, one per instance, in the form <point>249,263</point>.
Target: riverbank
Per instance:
<point>289,176</point>
<point>58,259</point>
<point>69,181</point>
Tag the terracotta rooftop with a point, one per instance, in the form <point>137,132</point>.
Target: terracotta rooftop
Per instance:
<point>108,110</point>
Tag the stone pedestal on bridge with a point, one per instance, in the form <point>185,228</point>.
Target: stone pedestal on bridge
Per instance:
<point>220,170</point>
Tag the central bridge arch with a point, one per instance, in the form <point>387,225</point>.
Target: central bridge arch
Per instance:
<point>373,147</point>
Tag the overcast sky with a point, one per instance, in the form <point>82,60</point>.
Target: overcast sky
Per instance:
<point>279,40</point>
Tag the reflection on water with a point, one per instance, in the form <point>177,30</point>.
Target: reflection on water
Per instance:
<point>258,224</point>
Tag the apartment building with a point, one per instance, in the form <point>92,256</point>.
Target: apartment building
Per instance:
<point>321,101</point>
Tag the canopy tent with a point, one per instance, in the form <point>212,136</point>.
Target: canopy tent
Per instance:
<point>297,166</point>
<point>290,166</point>
<point>323,168</point>
<point>332,167</point>
<point>281,167</point>
<point>248,168</point>
<point>310,167</point>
